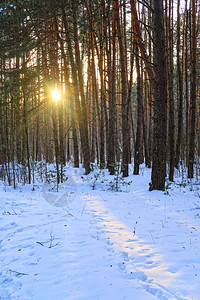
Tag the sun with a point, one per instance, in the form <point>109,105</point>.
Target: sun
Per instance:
<point>55,95</point>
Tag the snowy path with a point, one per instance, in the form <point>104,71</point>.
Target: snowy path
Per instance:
<point>104,245</point>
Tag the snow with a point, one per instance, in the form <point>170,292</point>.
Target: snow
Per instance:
<point>89,241</point>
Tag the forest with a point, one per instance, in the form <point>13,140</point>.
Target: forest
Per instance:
<point>106,82</point>
<point>100,149</point>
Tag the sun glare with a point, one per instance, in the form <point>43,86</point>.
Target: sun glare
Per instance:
<point>56,95</point>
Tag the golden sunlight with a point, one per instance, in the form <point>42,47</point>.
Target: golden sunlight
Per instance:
<point>55,95</point>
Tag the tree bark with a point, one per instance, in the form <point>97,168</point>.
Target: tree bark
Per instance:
<point>138,142</point>
<point>125,128</point>
<point>160,100</point>
<point>193,95</point>
<point>171,96</point>
<point>180,92</point>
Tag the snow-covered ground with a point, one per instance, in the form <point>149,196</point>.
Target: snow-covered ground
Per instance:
<point>89,241</point>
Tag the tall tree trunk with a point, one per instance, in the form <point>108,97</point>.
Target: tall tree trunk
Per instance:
<point>138,142</point>
<point>180,92</point>
<point>112,106</point>
<point>171,94</point>
<point>160,100</point>
<point>186,86</point>
<point>145,125</point>
<point>193,95</point>
<point>125,128</point>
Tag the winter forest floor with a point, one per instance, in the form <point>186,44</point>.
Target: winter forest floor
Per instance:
<point>89,241</point>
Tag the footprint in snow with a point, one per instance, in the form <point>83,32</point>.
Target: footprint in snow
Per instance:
<point>20,230</point>
<point>149,262</point>
<point>122,267</point>
<point>150,265</point>
<point>109,249</point>
<point>130,240</point>
<point>108,245</point>
<point>108,242</point>
<point>8,226</point>
<point>96,237</point>
<point>139,275</point>
<point>125,256</point>
<point>148,255</point>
